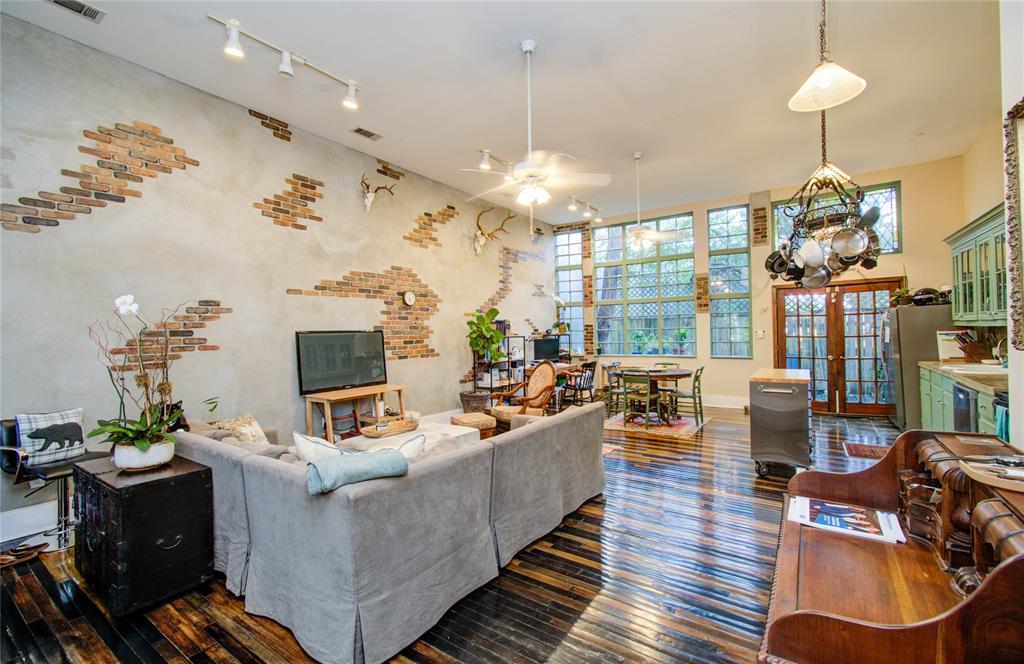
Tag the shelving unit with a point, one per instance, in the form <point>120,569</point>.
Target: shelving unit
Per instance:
<point>496,375</point>
<point>979,270</point>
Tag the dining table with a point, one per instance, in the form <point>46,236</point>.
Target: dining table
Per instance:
<point>657,376</point>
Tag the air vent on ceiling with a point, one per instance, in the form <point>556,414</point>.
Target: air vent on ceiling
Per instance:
<point>85,11</point>
<point>366,133</point>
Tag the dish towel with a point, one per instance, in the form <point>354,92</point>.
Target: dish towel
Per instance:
<point>1002,422</point>
<point>326,475</point>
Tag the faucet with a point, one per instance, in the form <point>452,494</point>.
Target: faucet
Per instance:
<point>1000,352</point>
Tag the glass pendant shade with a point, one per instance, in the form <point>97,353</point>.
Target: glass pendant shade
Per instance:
<point>531,194</point>
<point>829,85</point>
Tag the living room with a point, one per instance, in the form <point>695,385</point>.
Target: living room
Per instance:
<point>513,331</point>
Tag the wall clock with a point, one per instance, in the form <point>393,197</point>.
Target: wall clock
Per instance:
<point>409,298</point>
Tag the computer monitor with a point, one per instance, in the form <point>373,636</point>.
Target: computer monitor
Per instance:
<point>545,349</point>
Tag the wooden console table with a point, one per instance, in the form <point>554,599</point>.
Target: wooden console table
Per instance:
<point>327,399</point>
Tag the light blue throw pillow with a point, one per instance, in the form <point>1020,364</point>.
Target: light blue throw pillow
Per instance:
<point>326,475</point>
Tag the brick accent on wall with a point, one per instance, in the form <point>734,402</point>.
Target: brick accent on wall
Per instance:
<point>406,331</point>
<point>759,226</point>
<point>293,206</point>
<point>387,170</point>
<point>588,290</point>
<point>181,336</point>
<point>279,128</point>
<point>126,155</point>
<point>424,234</point>
<point>509,257</point>
<point>703,302</point>
<point>534,330</point>
<point>588,340</point>
<point>586,236</point>
<point>538,290</point>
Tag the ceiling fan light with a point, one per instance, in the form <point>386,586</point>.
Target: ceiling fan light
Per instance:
<point>542,196</point>
<point>508,174</point>
<point>828,85</point>
<point>233,45</point>
<point>485,160</point>
<point>350,101</point>
<point>527,195</point>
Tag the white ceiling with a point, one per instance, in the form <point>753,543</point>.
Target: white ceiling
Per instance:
<point>699,87</point>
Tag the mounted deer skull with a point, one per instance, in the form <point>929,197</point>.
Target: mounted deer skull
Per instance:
<point>368,195</point>
<point>483,236</point>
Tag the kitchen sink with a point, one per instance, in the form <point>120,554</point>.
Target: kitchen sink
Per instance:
<point>991,369</point>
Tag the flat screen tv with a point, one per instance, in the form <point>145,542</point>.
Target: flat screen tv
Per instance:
<point>340,360</point>
<point>545,349</point>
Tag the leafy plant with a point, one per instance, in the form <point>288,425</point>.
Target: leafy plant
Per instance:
<point>567,324</point>
<point>641,342</point>
<point>212,404</point>
<point>897,294</point>
<point>483,337</point>
<point>148,430</point>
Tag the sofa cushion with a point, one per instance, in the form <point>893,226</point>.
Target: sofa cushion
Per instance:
<point>505,413</point>
<point>244,428</point>
<point>263,449</point>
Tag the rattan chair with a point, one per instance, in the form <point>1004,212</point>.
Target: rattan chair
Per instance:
<point>537,392</point>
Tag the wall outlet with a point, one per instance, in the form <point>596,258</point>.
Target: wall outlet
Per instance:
<point>760,334</point>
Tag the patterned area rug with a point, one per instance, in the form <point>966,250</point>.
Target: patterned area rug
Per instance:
<point>861,451</point>
<point>679,427</point>
<point>609,448</point>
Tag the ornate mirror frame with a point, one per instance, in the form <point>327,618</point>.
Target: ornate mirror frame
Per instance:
<point>1013,142</point>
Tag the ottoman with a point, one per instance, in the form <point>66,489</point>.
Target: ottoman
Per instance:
<point>481,421</point>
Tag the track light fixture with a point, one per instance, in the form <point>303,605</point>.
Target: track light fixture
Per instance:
<point>285,68</point>
<point>351,102</point>
<point>233,48</point>
<point>589,210</point>
<point>485,160</point>
<point>233,45</point>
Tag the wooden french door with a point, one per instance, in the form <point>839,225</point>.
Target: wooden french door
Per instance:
<point>837,333</point>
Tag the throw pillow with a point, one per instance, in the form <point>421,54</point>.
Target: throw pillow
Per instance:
<point>244,428</point>
<point>311,448</point>
<point>51,437</point>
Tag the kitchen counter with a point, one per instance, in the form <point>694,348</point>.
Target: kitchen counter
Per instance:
<point>781,376</point>
<point>987,383</point>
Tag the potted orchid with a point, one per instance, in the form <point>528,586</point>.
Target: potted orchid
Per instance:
<point>138,356</point>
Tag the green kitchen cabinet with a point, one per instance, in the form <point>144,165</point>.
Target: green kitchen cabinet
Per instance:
<point>947,403</point>
<point>926,399</point>
<point>979,270</point>
<point>986,414</point>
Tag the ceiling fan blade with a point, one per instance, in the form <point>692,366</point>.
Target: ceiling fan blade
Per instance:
<point>480,170</point>
<point>579,180</point>
<point>494,190</point>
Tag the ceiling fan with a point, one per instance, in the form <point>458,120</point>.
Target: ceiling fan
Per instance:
<point>638,236</point>
<point>534,177</point>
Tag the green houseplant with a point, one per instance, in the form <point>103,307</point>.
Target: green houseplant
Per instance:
<point>138,360</point>
<point>484,338</point>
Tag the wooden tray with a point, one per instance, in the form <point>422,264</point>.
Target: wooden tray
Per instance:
<point>393,428</point>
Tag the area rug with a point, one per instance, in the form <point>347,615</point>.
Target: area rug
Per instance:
<point>679,427</point>
<point>861,451</point>
<point>608,448</point>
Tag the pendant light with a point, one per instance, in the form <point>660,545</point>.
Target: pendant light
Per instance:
<point>639,236</point>
<point>829,85</point>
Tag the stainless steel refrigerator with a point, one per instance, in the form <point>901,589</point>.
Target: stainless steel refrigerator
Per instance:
<point>908,336</point>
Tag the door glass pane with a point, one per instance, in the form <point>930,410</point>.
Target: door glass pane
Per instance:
<point>865,371</point>
<point>805,341</point>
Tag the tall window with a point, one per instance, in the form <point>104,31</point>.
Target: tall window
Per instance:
<point>729,281</point>
<point>885,196</point>
<point>644,290</point>
<point>569,284</point>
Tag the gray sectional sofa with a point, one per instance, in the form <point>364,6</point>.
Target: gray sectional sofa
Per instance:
<point>361,572</point>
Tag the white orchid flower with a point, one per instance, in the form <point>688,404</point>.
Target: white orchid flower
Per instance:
<point>559,302</point>
<point>126,305</point>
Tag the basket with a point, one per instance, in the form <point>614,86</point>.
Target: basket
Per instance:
<point>392,427</point>
<point>474,402</point>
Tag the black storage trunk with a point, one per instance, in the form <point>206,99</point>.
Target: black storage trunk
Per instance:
<point>143,537</point>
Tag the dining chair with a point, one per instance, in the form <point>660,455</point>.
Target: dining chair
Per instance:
<point>613,387</point>
<point>578,382</point>
<point>692,399</point>
<point>638,396</point>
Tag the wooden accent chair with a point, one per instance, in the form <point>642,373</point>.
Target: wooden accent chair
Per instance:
<point>615,398</point>
<point>537,393</point>
<point>578,382</point>
<point>693,399</point>
<point>639,398</point>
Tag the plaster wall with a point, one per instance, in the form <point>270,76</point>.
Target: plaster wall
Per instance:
<point>195,235</point>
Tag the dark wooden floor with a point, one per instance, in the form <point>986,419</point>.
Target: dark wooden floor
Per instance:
<point>672,564</point>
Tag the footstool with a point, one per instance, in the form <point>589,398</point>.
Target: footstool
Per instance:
<point>481,421</point>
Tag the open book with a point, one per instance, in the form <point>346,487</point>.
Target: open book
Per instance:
<point>850,519</point>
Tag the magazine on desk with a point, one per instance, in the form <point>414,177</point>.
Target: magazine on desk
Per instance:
<point>849,519</point>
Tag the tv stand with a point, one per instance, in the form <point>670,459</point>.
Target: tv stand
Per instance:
<point>353,394</point>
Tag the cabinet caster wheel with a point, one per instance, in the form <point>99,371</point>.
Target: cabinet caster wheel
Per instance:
<point>762,468</point>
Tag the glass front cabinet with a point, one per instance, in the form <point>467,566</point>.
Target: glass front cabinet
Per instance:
<point>979,270</point>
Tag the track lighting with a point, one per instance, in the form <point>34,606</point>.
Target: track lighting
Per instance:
<point>589,210</point>
<point>572,204</point>
<point>598,219</point>
<point>285,68</point>
<point>351,102</point>
<point>587,213</point>
<point>508,174</point>
<point>233,46</point>
<point>485,160</point>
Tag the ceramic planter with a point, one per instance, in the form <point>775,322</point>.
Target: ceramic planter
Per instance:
<point>129,457</point>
